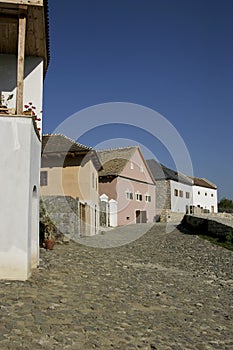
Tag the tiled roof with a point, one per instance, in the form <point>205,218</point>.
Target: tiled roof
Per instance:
<point>203,183</point>
<point>114,160</point>
<point>161,172</point>
<point>56,143</point>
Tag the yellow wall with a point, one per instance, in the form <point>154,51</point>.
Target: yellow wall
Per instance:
<point>75,181</point>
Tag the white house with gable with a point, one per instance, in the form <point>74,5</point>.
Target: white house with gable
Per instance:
<point>205,195</point>
<point>177,194</point>
<point>23,62</point>
<point>173,191</point>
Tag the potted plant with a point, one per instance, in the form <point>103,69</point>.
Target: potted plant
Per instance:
<point>4,103</point>
<point>49,239</point>
<point>29,109</point>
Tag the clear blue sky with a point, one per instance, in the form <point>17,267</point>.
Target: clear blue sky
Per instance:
<point>174,56</point>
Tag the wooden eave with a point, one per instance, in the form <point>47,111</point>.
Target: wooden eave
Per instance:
<point>36,28</point>
<point>63,154</point>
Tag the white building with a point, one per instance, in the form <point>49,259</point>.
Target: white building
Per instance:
<point>173,190</point>
<point>205,195</point>
<point>23,63</point>
<point>180,194</point>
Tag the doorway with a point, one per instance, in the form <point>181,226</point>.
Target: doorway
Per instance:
<point>141,217</point>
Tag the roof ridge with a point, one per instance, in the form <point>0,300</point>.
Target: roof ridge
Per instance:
<point>115,149</point>
<point>68,138</point>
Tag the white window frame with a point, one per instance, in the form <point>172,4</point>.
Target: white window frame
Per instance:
<point>138,196</point>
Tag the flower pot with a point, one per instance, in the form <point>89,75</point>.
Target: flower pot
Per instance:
<point>3,110</point>
<point>49,243</point>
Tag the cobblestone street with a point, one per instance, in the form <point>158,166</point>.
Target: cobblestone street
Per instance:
<point>162,291</point>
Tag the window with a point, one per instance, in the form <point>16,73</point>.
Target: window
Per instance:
<point>44,178</point>
<point>129,195</point>
<point>148,198</point>
<point>175,192</point>
<point>131,166</point>
<point>181,193</point>
<point>205,194</point>
<point>141,169</point>
<point>93,180</point>
<point>212,194</point>
<point>187,195</point>
<point>139,197</point>
<point>198,192</point>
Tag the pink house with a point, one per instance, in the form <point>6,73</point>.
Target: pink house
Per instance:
<point>127,183</point>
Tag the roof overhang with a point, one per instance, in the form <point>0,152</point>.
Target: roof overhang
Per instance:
<point>36,13</point>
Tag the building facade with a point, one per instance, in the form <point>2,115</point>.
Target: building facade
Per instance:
<point>128,184</point>
<point>177,194</point>
<point>71,169</point>
<point>205,195</point>
<point>24,56</point>
<point>173,192</point>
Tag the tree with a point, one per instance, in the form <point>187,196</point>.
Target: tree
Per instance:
<point>225,205</point>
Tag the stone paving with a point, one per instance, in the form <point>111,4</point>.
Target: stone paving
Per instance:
<point>165,291</point>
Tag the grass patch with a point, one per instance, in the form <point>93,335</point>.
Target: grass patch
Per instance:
<point>215,240</point>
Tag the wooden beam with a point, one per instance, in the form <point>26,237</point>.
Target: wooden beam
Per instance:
<point>23,2</point>
<point>8,20</point>
<point>20,64</point>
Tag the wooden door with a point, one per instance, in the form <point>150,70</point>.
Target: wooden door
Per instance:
<point>137,216</point>
<point>143,217</point>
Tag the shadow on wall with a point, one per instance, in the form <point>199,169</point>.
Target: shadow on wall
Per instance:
<point>8,76</point>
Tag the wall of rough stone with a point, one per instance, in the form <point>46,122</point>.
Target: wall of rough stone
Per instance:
<point>168,216</point>
<point>207,225</point>
<point>64,213</point>
<point>163,195</point>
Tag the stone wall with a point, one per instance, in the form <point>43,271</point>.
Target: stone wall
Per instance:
<point>168,216</point>
<point>64,213</point>
<point>163,195</point>
<point>207,226</point>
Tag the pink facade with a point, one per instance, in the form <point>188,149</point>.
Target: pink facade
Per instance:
<point>133,189</point>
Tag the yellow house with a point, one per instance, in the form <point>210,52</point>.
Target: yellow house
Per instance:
<point>71,169</point>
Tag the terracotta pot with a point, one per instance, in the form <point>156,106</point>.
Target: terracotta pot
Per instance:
<point>3,110</point>
<point>49,243</point>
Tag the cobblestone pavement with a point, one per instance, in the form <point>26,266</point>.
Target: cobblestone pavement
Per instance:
<point>163,291</point>
<point>116,237</point>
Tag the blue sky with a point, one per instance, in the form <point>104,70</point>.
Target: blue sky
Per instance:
<point>175,57</point>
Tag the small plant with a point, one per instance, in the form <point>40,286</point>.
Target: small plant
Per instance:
<point>229,237</point>
<point>49,233</point>
<point>5,100</point>
<point>29,109</point>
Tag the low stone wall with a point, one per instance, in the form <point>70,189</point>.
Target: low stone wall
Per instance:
<point>64,213</point>
<point>212,226</point>
<point>167,215</point>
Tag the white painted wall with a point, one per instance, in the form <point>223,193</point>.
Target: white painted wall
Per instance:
<point>33,81</point>
<point>19,177</point>
<point>179,204</point>
<point>113,210</point>
<point>19,164</point>
<point>205,198</point>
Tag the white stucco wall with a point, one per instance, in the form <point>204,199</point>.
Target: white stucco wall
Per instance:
<point>205,198</point>
<point>179,204</point>
<point>34,197</point>
<point>19,164</point>
<point>33,81</point>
